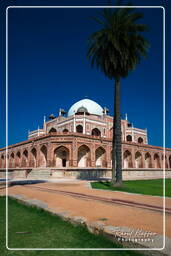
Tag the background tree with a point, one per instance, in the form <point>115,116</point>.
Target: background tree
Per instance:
<point>116,49</point>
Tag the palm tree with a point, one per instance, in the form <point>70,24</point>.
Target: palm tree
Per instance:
<point>116,49</point>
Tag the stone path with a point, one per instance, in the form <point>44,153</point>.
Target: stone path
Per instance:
<point>121,220</point>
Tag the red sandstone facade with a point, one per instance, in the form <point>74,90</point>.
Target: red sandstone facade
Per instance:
<point>83,139</point>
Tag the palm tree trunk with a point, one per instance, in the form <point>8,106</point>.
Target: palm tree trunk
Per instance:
<point>117,136</point>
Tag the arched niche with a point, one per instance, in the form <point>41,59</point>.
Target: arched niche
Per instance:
<point>65,130</point>
<point>140,140</point>
<point>100,156</point>
<point>138,160</point>
<point>43,156</point>
<point>61,155</point>
<point>79,128</point>
<point>18,159</point>
<point>12,160</point>
<point>148,160</point>
<point>52,130</point>
<point>96,132</point>
<point>157,163</point>
<point>25,158</point>
<point>128,138</point>
<point>83,156</point>
<point>33,157</point>
<point>127,159</point>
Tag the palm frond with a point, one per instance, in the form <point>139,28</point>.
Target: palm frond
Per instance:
<point>117,47</point>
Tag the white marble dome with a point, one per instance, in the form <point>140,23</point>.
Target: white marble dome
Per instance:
<point>91,106</point>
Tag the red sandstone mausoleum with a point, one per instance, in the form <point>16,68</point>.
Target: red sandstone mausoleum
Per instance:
<point>81,140</point>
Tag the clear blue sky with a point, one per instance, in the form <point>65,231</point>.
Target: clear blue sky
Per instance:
<point>48,68</point>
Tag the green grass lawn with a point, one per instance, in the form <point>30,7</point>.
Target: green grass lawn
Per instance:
<point>146,187</point>
<point>48,231</point>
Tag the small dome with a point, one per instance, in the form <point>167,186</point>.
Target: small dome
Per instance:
<point>90,106</point>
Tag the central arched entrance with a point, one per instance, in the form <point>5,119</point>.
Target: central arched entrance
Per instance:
<point>61,155</point>
<point>100,155</point>
<point>83,156</point>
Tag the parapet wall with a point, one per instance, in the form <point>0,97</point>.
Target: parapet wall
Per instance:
<point>128,174</point>
<point>87,173</point>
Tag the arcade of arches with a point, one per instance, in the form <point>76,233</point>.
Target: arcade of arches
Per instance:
<point>82,156</point>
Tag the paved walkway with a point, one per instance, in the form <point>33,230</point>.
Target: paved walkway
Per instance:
<point>78,199</point>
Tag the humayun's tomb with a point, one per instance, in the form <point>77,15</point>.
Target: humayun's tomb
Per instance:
<point>79,144</point>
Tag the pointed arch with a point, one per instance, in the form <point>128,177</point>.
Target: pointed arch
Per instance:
<point>140,140</point>
<point>157,161</point>
<point>127,159</point>
<point>43,156</point>
<point>128,138</point>
<point>96,132</point>
<point>148,160</point>
<point>24,162</point>
<point>18,159</point>
<point>52,130</point>
<point>61,156</point>
<point>138,160</point>
<point>84,158</point>
<point>33,157</point>
<point>12,160</point>
<point>79,128</point>
<point>65,130</point>
<point>100,156</point>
